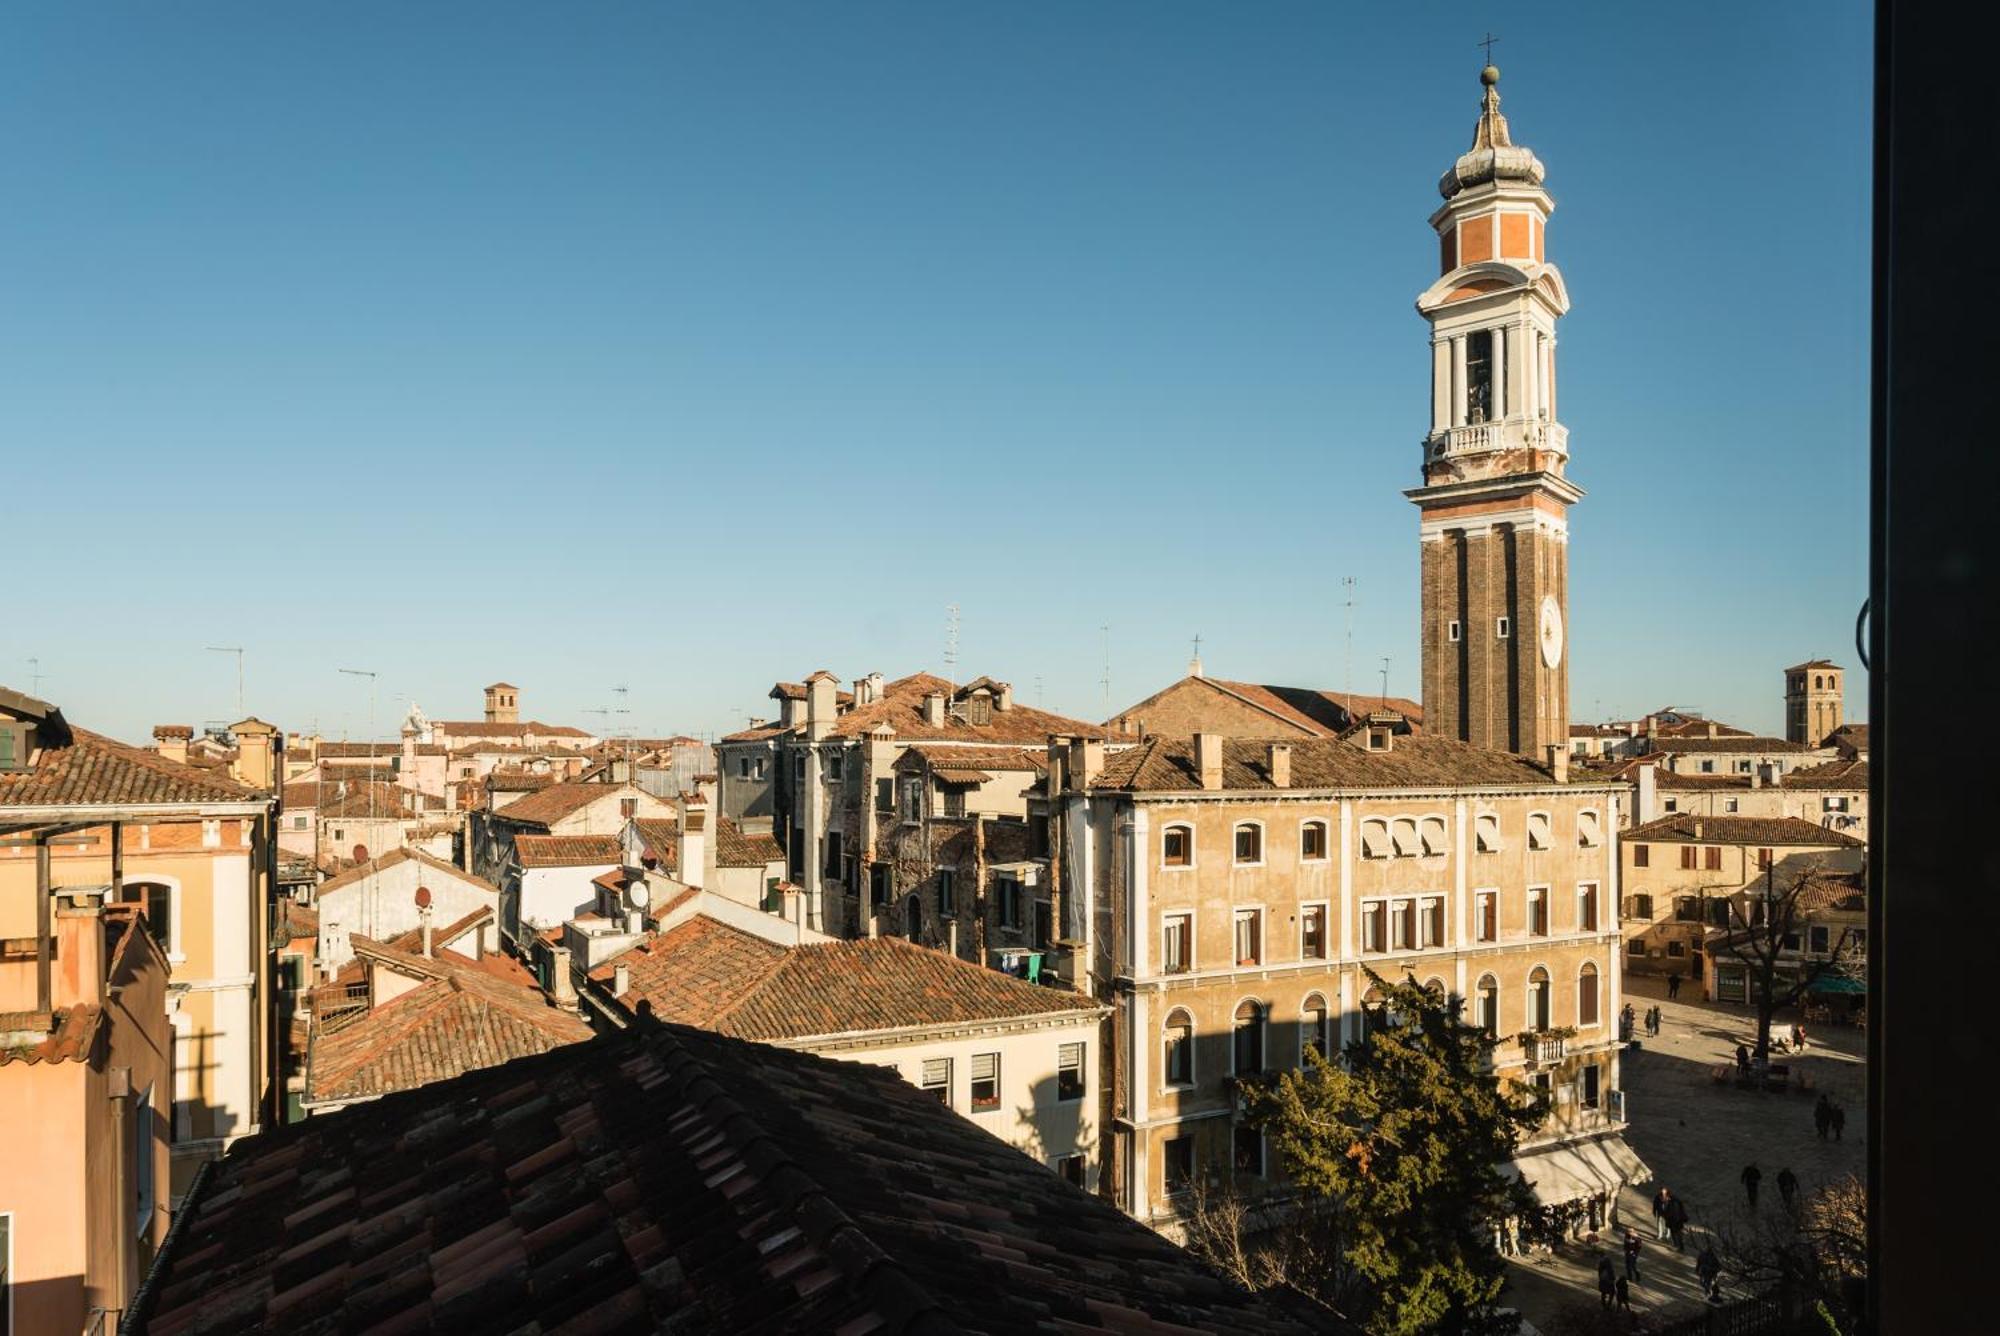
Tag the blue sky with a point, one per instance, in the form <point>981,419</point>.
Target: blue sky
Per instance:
<point>687,348</point>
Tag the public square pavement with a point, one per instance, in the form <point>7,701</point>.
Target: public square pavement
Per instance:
<point>1696,1136</point>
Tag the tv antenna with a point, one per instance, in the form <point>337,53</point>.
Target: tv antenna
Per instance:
<point>1106,628</point>
<point>35,675</point>
<point>371,675</point>
<point>237,650</point>
<point>951,642</point>
<point>1347,670</point>
<point>1385,682</point>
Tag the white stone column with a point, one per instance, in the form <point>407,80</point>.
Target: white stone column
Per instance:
<point>1346,946</point>
<point>1440,384</point>
<point>1500,401</point>
<point>1458,381</point>
<point>1551,375</point>
<point>1141,911</point>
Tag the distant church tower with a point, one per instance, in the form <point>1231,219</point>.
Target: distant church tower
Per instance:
<point>1494,526</point>
<point>1813,699</point>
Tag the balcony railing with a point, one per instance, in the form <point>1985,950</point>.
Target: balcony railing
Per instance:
<point>1478,438</point>
<point>1544,1048</point>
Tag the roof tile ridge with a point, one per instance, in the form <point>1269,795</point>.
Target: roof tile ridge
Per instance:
<point>757,985</point>
<point>152,760</point>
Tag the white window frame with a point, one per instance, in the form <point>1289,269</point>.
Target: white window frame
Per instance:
<point>1482,897</point>
<point>1368,906</point>
<point>1532,895</point>
<point>1486,832</point>
<point>1589,824</point>
<point>925,1084</point>
<point>1235,829</point>
<point>972,1092</point>
<point>1375,833</point>
<point>1452,631</point>
<point>1503,628</point>
<point>1186,828</point>
<point>1430,909</point>
<point>1193,1052</point>
<point>1399,907</point>
<point>1325,909</point>
<point>1167,918</point>
<point>1596,888</point>
<point>1258,917</point>
<point>1082,1064</point>
<point>1426,828</point>
<point>1548,832</point>
<point>1325,841</point>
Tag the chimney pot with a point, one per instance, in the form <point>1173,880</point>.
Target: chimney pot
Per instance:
<point>1281,765</point>
<point>1558,762</point>
<point>621,980</point>
<point>1005,700</point>
<point>934,709</point>
<point>1208,759</point>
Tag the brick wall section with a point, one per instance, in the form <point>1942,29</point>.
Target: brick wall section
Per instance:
<point>1481,689</point>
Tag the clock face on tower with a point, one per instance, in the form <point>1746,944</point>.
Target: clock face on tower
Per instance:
<point>1552,631</point>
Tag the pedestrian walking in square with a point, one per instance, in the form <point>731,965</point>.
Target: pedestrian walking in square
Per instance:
<point>1839,1120</point>
<point>1631,1254</point>
<point>1799,1037</point>
<point>1677,1218</point>
<point>1660,1200</point>
<point>1653,1019</point>
<point>1752,1176</point>
<point>1624,1294</point>
<point>1607,1282</point>
<point>1823,1116</point>
<point>1673,986</point>
<point>1709,1268</point>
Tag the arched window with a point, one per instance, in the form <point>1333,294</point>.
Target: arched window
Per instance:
<point>1313,1033</point>
<point>1312,842</point>
<point>1488,1004</point>
<point>1249,1038</point>
<point>1435,836</point>
<point>1249,842</point>
<point>1403,834</point>
<point>1538,999</point>
<point>913,917</point>
<point>1177,1056</point>
<point>1375,838</point>
<point>1374,1012</point>
<point>1586,995</point>
<point>1177,846</point>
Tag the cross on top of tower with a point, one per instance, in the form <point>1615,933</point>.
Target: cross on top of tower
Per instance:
<point>1490,39</point>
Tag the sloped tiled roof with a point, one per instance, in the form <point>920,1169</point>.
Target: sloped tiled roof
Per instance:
<point>395,856</point>
<point>663,1179</point>
<point>1847,774</point>
<point>459,1021</point>
<point>660,834</point>
<point>1413,761</point>
<point>547,806</point>
<point>1760,830</point>
<point>94,770</point>
<point>1740,742</point>
<point>978,758</point>
<point>567,850</point>
<point>902,708</point>
<point>362,798</point>
<point>755,733</point>
<point>1820,892</point>
<point>479,728</point>
<point>706,973</point>
<point>66,1035</point>
<point>1308,706</point>
<point>735,849</point>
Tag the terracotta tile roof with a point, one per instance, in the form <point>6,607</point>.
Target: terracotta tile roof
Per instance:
<point>735,849</point>
<point>660,835</point>
<point>462,1020</point>
<point>1697,728</point>
<point>1820,892</point>
<point>1848,774</point>
<point>479,728</point>
<point>1813,663</point>
<point>1309,707</point>
<point>663,1179</point>
<point>550,805</point>
<point>706,973</point>
<point>902,708</point>
<point>379,750</point>
<point>518,781</point>
<point>94,769</point>
<point>1413,761</point>
<point>979,758</point>
<point>362,798</point>
<point>567,850</point>
<point>68,1035</point>
<point>293,920</point>
<point>393,857</point>
<point>1742,742</point>
<point>1674,779</point>
<point>755,733</point>
<point>1769,831</point>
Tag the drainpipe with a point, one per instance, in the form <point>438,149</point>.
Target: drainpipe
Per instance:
<point>119,1088</point>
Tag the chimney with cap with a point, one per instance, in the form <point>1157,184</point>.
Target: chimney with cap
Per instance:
<point>621,979</point>
<point>1208,759</point>
<point>1558,762</point>
<point>1281,765</point>
<point>934,709</point>
<point>1005,700</point>
<point>172,741</point>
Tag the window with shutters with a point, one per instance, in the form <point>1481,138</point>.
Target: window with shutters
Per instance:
<point>1486,1009</point>
<point>1375,925</point>
<point>1432,833</point>
<point>1486,915</point>
<point>1402,924</point>
<point>885,795</point>
<point>1177,846</point>
<point>1403,833</point>
<point>1249,1038</point>
<point>985,1082</point>
<point>1642,906</point>
<point>1538,830</point>
<point>1486,832</point>
<point>1177,943</point>
<point>1589,831</point>
<point>1177,1049</point>
<point>1375,838</point>
<point>1312,932</point>
<point>936,1079</point>
<point>1711,858</point>
<point>1690,856</point>
<point>1312,841</point>
<point>1642,856</point>
<point>1069,1072</point>
<point>1538,910</point>
<point>1430,921</point>
<point>1586,907</point>
<point>1586,995</point>
<point>1249,936</point>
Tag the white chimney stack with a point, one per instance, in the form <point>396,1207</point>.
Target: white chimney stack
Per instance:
<point>1649,793</point>
<point>1208,759</point>
<point>621,979</point>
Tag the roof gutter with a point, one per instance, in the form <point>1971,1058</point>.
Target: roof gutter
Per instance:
<point>136,1311</point>
<point>31,814</point>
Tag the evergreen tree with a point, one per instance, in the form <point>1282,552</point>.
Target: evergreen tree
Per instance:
<point>1405,1139</point>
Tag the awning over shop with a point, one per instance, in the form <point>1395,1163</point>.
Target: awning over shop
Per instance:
<point>1578,1169</point>
<point>1836,983</point>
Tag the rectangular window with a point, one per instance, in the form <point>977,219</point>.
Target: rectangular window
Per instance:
<point>885,795</point>
<point>160,914</point>
<point>1375,926</point>
<point>1833,804</point>
<point>799,768</point>
<point>1452,631</point>
<point>937,1079</point>
<point>743,768</point>
<point>760,767</point>
<point>836,766</point>
<point>954,802</point>
<point>1069,1072</point>
<point>1249,844</point>
<point>1708,767</point>
<point>1642,856</point>
<point>947,892</point>
<point>1402,924</point>
<point>1312,841</point>
<point>1677,948</point>
<point>1586,907</point>
<point>1591,1078</point>
<point>1177,1161</point>
<point>1538,910</point>
<point>1538,830</point>
<point>1689,856</point>
<point>985,1082</point>
<point>913,800</point>
<point>1177,944</point>
<point>1642,906</point>
<point>1248,1147</point>
<point>1820,938</point>
<point>1711,858</point>
<point>1008,892</point>
<point>879,887</point>
<point>1177,847</point>
<point>1312,932</point>
<point>1502,628</point>
<point>832,863</point>
<point>1486,832</point>
<point>1763,858</point>
<point>1071,1168</point>
<point>1249,936</point>
<point>1430,923</point>
<point>1671,804</point>
<point>1729,804</point>
<point>1486,915</point>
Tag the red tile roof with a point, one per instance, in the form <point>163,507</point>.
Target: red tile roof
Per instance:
<point>550,805</point>
<point>1413,761</point>
<point>1740,742</point>
<point>707,973</point>
<point>979,758</point>
<point>479,728</point>
<point>67,1035</point>
<point>567,850</point>
<point>393,857</point>
<point>902,708</point>
<point>95,770</point>
<point>663,1179</point>
<point>735,849</point>
<point>1847,774</point>
<point>1759,830</point>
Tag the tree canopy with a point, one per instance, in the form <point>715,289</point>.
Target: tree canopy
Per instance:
<point>1405,1137</point>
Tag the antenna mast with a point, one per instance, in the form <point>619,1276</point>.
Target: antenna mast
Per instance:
<point>951,642</point>
<point>237,650</point>
<point>1347,671</point>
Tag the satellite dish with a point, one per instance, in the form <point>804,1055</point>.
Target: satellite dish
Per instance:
<point>640,895</point>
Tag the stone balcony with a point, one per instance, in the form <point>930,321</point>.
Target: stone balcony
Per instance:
<point>1481,438</point>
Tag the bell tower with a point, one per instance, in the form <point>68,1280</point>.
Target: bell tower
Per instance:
<point>1494,503</point>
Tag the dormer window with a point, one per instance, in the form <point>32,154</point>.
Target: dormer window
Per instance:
<point>980,712</point>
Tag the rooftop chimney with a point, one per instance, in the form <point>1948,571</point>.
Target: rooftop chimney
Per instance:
<point>1649,793</point>
<point>1711,728</point>
<point>822,703</point>
<point>424,916</point>
<point>621,979</point>
<point>561,986</point>
<point>79,973</point>
<point>934,708</point>
<point>1005,700</point>
<point>1281,765</point>
<point>1558,762</point>
<point>1208,759</point>
<point>172,741</point>
<point>255,753</point>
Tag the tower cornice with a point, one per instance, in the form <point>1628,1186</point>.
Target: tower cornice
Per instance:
<point>1505,488</point>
